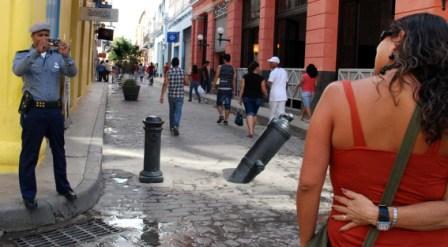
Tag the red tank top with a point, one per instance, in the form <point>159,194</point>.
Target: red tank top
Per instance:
<point>367,171</point>
<point>309,84</point>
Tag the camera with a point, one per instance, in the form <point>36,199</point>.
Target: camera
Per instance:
<point>53,42</point>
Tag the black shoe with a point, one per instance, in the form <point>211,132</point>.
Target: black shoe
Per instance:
<point>175,132</point>
<point>30,203</point>
<point>69,195</point>
<point>225,123</point>
<point>189,100</point>
<point>221,118</point>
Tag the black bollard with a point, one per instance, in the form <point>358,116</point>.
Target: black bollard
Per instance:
<point>153,131</point>
<point>258,156</point>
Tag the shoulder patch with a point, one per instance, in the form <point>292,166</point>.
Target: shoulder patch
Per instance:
<point>22,51</point>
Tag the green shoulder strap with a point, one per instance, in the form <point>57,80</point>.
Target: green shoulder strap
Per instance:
<point>398,170</point>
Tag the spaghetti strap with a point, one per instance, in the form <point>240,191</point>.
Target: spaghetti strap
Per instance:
<point>358,135</point>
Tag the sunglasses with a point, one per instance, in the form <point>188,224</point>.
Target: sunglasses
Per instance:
<point>385,33</point>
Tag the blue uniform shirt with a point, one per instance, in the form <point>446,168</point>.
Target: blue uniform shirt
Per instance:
<point>42,75</point>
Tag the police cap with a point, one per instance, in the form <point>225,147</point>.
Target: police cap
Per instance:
<point>40,27</point>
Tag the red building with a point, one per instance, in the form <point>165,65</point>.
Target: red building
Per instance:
<point>332,34</point>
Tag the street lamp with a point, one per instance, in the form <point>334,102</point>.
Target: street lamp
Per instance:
<point>202,43</point>
<point>220,31</point>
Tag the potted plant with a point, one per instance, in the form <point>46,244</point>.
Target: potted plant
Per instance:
<point>130,90</point>
<point>125,55</point>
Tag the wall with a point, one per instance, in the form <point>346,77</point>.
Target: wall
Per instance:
<point>408,7</point>
<point>17,17</point>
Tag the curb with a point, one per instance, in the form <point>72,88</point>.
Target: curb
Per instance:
<point>53,208</point>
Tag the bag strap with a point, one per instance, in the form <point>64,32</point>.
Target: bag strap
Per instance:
<point>400,163</point>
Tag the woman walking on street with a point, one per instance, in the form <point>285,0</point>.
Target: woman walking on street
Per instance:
<point>252,90</point>
<point>308,86</point>
<point>194,78</point>
<point>358,127</point>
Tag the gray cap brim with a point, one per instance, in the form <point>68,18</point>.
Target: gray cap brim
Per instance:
<point>39,27</point>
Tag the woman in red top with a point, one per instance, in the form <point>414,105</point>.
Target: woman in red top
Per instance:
<point>308,86</point>
<point>357,129</point>
<point>194,78</point>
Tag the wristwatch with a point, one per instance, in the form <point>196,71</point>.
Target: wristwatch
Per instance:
<point>383,223</point>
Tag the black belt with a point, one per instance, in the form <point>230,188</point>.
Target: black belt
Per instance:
<point>46,104</point>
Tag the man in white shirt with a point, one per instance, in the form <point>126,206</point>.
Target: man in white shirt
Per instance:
<point>278,79</point>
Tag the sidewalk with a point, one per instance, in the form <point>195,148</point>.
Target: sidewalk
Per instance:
<point>83,145</point>
<point>297,127</point>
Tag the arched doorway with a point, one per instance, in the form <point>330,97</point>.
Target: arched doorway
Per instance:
<point>290,32</point>
<point>360,24</point>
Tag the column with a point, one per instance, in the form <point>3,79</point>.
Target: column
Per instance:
<point>195,52</point>
<point>211,29</point>
<point>234,31</point>
<point>322,40</point>
<point>266,32</point>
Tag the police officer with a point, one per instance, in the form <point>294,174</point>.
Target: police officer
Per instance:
<point>41,68</point>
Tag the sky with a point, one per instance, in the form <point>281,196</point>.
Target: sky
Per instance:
<point>129,12</point>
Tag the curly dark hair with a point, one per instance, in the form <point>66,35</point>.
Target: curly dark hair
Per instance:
<point>311,70</point>
<point>423,53</point>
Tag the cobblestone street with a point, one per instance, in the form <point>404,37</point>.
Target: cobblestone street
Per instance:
<point>195,206</point>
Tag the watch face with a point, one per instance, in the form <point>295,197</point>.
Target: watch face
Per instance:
<point>383,225</point>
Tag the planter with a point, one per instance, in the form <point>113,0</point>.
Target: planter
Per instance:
<point>131,92</point>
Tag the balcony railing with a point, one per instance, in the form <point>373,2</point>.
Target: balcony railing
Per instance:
<point>295,74</point>
<point>354,74</point>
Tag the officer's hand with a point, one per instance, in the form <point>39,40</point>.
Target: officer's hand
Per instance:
<point>63,49</point>
<point>42,46</point>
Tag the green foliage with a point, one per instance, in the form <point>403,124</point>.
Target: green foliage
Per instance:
<point>125,53</point>
<point>130,83</point>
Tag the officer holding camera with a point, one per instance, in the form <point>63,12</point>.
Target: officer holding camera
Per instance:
<point>42,68</point>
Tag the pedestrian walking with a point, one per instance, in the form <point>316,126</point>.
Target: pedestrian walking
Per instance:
<point>174,81</point>
<point>307,85</point>
<point>194,83</point>
<point>356,131</point>
<point>141,72</point>
<point>100,71</point>
<point>41,68</point>
<point>108,70</point>
<point>150,70</point>
<point>227,76</point>
<point>205,77</point>
<point>252,91</point>
<point>278,79</point>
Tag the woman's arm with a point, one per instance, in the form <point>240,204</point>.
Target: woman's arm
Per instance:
<point>241,91</point>
<point>298,86</point>
<point>358,210</point>
<point>315,163</point>
<point>264,88</point>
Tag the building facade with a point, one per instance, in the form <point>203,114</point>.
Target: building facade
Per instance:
<point>18,16</point>
<point>171,16</point>
<point>335,35</point>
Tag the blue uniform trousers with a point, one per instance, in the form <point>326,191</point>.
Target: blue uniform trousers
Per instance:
<point>36,124</point>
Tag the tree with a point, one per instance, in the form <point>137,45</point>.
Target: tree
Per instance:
<point>125,53</point>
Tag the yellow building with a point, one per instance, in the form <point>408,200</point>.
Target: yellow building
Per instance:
<point>17,16</point>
